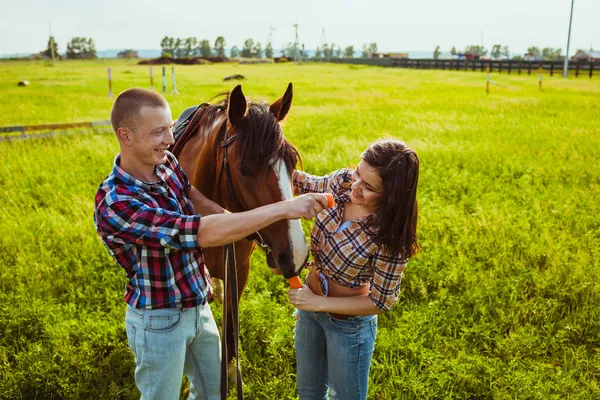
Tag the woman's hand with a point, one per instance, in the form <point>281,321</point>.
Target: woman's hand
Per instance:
<point>305,299</point>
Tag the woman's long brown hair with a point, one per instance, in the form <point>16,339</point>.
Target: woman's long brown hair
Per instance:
<point>398,167</point>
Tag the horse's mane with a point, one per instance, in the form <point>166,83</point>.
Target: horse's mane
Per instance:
<point>260,137</point>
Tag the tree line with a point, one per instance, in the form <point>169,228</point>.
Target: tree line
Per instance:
<point>499,51</point>
<point>78,48</point>
<point>193,47</point>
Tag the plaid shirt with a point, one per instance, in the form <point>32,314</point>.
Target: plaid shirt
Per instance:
<point>350,257</point>
<point>151,231</point>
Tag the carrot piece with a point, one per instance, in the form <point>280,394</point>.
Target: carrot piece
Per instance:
<point>295,282</point>
<point>330,200</point>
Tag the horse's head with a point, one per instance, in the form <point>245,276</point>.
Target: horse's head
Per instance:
<point>261,163</point>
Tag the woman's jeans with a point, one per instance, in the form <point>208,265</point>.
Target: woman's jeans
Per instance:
<point>168,343</point>
<point>333,354</point>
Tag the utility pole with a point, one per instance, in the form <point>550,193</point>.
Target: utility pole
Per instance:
<point>296,44</point>
<point>323,42</point>
<point>566,66</point>
<point>271,29</point>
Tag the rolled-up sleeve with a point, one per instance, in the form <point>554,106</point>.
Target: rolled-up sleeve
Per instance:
<point>127,220</point>
<point>387,278</point>
<point>307,183</point>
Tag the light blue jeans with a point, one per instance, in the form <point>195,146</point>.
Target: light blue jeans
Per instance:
<point>333,354</point>
<point>168,343</point>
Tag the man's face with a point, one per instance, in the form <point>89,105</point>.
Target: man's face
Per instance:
<point>152,135</point>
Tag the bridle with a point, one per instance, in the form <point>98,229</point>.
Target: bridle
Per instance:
<point>227,140</point>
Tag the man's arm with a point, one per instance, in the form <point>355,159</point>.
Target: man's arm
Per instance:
<point>219,229</point>
<point>202,205</point>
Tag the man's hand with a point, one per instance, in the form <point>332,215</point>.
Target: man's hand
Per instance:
<point>306,206</point>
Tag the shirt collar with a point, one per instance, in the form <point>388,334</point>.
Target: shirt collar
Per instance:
<point>129,180</point>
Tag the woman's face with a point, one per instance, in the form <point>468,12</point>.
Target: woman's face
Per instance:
<point>367,187</point>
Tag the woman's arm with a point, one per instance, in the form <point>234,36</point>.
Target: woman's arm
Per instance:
<point>307,183</point>
<point>305,299</point>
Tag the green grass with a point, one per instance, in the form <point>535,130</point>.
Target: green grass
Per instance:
<point>501,303</point>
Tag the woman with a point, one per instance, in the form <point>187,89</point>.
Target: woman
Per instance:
<point>360,248</point>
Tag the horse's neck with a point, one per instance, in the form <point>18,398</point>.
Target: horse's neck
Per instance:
<point>198,159</point>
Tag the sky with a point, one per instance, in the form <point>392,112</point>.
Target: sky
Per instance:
<point>395,25</point>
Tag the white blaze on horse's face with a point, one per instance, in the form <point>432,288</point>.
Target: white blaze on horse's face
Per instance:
<point>295,233</point>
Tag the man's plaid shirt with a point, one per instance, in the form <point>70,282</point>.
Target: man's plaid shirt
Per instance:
<point>151,231</point>
<point>350,257</point>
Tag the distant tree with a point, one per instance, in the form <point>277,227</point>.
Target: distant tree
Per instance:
<point>436,53</point>
<point>247,49</point>
<point>189,46</point>
<point>505,52</point>
<point>373,47</point>
<point>534,51</point>
<point>318,53</point>
<point>496,51</point>
<point>234,52</point>
<point>167,45</point>
<point>453,51</point>
<point>550,53</point>
<point>81,48</point>
<point>291,50</point>
<point>476,49</point>
<point>204,47</point>
<point>257,50</point>
<point>220,46</point>
<point>338,52</point>
<point>328,51</point>
<point>349,52</point>
<point>178,50</point>
<point>269,50</point>
<point>365,51</point>
<point>48,51</point>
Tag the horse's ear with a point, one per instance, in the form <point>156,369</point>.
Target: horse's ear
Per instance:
<point>282,106</point>
<point>237,106</point>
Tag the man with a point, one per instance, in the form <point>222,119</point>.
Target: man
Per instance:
<point>147,216</point>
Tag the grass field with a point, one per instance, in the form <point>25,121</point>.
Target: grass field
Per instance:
<point>502,302</point>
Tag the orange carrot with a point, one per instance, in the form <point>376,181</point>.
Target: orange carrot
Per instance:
<point>295,282</point>
<point>330,200</point>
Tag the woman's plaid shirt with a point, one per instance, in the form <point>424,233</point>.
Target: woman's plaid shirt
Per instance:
<point>350,257</point>
<point>151,231</point>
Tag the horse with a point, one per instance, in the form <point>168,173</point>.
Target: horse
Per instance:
<point>248,136</point>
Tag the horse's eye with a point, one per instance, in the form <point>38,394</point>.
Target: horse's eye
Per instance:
<point>247,172</point>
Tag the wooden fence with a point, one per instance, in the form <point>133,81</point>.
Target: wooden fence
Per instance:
<point>500,66</point>
<point>38,131</point>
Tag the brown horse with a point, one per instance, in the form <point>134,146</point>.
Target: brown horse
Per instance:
<point>249,136</point>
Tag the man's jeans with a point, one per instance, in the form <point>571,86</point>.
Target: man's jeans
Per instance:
<point>333,353</point>
<point>168,343</point>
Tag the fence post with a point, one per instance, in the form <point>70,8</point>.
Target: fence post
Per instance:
<point>164,79</point>
<point>577,70</point>
<point>519,67</point>
<point>509,67</point>
<point>529,68</point>
<point>174,91</point>
<point>110,93</point>
<point>487,80</point>
<point>591,69</point>
<point>540,75</point>
<point>152,80</point>
<point>551,69</point>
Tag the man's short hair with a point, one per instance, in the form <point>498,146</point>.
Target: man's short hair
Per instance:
<point>128,104</point>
